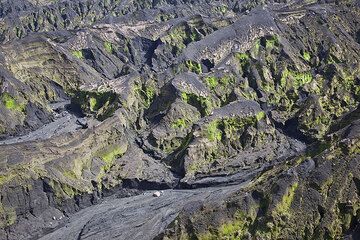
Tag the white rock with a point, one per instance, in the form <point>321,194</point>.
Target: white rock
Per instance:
<point>157,194</point>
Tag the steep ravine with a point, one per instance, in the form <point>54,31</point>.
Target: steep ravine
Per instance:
<point>244,112</point>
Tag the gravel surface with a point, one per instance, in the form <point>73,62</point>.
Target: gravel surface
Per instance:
<point>140,217</point>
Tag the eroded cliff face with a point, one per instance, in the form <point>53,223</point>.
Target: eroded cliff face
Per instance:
<point>116,97</point>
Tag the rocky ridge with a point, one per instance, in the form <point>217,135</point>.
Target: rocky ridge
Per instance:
<point>250,105</point>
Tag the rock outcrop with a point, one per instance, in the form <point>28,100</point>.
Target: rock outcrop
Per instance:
<point>249,109</point>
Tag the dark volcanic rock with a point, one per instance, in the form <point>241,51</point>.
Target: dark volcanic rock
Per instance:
<point>253,106</point>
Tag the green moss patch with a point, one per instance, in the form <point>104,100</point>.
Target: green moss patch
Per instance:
<point>212,82</point>
<point>193,66</point>
<point>203,104</point>
<point>231,128</point>
<point>227,136</point>
<point>271,42</point>
<point>299,78</point>
<point>63,191</point>
<point>213,133</point>
<point>110,154</point>
<point>11,103</point>
<point>181,123</point>
<point>146,94</point>
<point>101,104</point>
<point>78,54</point>
<point>222,86</point>
<point>243,58</point>
<point>306,55</point>
<point>180,36</point>
<point>234,229</point>
<point>283,207</point>
<point>260,115</point>
<point>109,47</point>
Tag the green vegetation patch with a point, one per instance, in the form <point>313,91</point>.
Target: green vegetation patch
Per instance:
<point>234,127</point>
<point>181,123</point>
<point>212,82</point>
<point>193,66</point>
<point>283,207</point>
<point>231,128</point>
<point>223,134</point>
<point>147,94</point>
<point>179,37</point>
<point>260,115</point>
<point>243,58</point>
<point>93,104</point>
<point>111,153</point>
<point>63,191</point>
<point>78,54</point>
<point>300,78</point>
<point>213,133</point>
<point>11,103</point>
<point>244,223</point>
<point>69,174</point>
<point>306,55</point>
<point>271,42</point>
<point>203,104</point>
<point>234,229</point>
<point>102,104</point>
<point>219,84</point>
<point>109,47</point>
